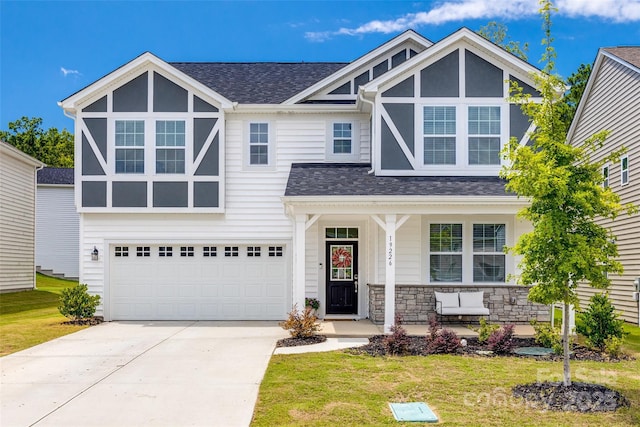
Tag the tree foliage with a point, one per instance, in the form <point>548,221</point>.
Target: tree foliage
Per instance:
<point>577,82</point>
<point>52,147</point>
<point>496,32</point>
<point>563,184</point>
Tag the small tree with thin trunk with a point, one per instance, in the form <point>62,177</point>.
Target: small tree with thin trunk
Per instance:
<point>564,186</point>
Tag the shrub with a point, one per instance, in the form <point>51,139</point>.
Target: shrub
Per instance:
<point>613,346</point>
<point>501,340</point>
<point>445,341</point>
<point>76,303</point>
<point>301,324</point>
<point>398,342</point>
<point>547,336</point>
<point>485,330</point>
<point>599,322</point>
<point>441,340</point>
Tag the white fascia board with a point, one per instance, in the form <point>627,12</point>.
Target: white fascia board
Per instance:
<point>70,104</point>
<point>404,204</point>
<point>295,108</point>
<point>586,93</point>
<point>464,34</point>
<point>12,151</point>
<point>408,35</point>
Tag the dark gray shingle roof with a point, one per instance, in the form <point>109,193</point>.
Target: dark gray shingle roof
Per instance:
<point>59,176</point>
<point>631,54</point>
<point>258,82</point>
<point>353,179</point>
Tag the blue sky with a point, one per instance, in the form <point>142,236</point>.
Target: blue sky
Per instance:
<point>51,49</point>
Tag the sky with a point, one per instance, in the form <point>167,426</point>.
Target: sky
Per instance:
<point>51,49</point>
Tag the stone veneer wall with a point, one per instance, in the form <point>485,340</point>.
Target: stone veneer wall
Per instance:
<point>507,304</point>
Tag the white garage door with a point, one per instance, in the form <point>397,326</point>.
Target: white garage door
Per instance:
<point>198,282</point>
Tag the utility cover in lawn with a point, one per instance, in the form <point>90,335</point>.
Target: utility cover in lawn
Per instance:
<point>413,411</point>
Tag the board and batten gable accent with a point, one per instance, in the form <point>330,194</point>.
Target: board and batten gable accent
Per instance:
<point>17,219</point>
<point>460,75</point>
<point>151,97</point>
<point>611,102</point>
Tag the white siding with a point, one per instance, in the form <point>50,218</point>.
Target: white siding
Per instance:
<point>613,104</point>
<point>17,224</point>
<point>57,230</point>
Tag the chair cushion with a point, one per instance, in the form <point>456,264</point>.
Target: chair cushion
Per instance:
<point>447,299</point>
<point>464,311</point>
<point>472,299</point>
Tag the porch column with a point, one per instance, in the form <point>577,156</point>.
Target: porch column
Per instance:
<point>390,276</point>
<point>299,267</point>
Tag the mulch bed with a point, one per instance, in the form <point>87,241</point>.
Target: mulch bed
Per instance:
<point>294,342</point>
<point>418,347</point>
<point>578,397</point>
<point>91,321</point>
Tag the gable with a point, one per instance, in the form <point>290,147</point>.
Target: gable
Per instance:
<point>343,85</point>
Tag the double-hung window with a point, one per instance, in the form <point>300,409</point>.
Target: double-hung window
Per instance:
<point>129,146</point>
<point>170,142</point>
<point>258,143</point>
<point>488,252</point>
<point>439,132</point>
<point>484,135</point>
<point>445,246</point>
<point>605,176</point>
<point>342,142</point>
<point>624,170</point>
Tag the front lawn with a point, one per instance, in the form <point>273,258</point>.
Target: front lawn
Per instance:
<point>30,318</point>
<point>342,389</point>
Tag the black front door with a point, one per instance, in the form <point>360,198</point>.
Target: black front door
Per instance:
<point>342,277</point>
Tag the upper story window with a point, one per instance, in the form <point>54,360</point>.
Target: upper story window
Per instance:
<point>605,176</point>
<point>488,252</point>
<point>258,143</point>
<point>484,135</point>
<point>445,247</point>
<point>129,146</point>
<point>342,138</point>
<point>170,143</point>
<point>439,132</point>
<point>624,170</point>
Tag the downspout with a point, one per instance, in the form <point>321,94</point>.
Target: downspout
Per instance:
<point>373,128</point>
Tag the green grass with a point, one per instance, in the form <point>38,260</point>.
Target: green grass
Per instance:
<point>341,389</point>
<point>32,317</point>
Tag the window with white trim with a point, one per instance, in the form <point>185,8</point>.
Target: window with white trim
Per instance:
<point>488,252</point>
<point>186,251</point>
<point>170,146</point>
<point>165,251</point>
<point>253,251</point>
<point>129,144</point>
<point>231,251</point>
<point>445,252</point>
<point>605,176</point>
<point>259,143</point>
<point>275,251</point>
<point>143,251</point>
<point>209,251</point>
<point>342,138</point>
<point>624,170</point>
<point>484,135</point>
<point>122,251</point>
<point>439,133</point>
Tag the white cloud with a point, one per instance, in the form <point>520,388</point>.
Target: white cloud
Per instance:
<point>459,10</point>
<point>66,72</point>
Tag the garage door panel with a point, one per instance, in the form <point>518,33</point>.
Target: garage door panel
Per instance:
<point>198,287</point>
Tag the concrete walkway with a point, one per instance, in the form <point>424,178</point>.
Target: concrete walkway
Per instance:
<point>140,374</point>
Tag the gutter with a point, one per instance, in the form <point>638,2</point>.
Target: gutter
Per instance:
<point>372,130</point>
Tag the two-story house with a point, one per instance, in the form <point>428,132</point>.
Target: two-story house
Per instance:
<point>235,190</point>
<point>611,101</point>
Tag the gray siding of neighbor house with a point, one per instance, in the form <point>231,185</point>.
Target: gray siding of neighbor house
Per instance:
<point>17,222</point>
<point>613,103</point>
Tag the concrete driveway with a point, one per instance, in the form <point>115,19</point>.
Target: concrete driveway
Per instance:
<point>140,374</point>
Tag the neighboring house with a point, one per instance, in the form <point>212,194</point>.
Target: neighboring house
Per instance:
<point>234,190</point>
<point>611,101</point>
<point>57,223</point>
<point>17,219</point>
